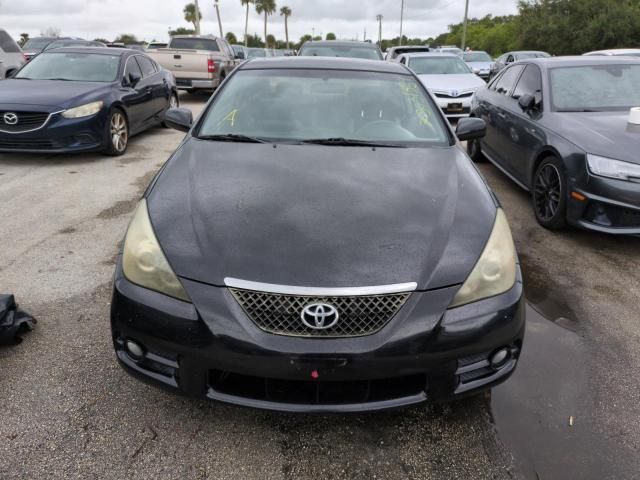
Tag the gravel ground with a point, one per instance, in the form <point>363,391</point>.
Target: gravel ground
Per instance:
<point>71,412</point>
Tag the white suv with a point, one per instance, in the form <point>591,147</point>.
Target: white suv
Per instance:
<point>11,58</point>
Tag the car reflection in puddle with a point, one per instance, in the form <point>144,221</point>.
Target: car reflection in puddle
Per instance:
<point>545,414</point>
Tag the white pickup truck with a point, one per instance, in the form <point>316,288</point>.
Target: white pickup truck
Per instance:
<point>199,62</point>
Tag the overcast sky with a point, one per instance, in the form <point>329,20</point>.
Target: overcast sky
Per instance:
<point>151,19</point>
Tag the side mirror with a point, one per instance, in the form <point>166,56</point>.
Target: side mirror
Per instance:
<point>179,119</point>
<point>527,102</point>
<point>240,56</point>
<point>471,128</point>
<point>134,79</point>
<point>476,71</point>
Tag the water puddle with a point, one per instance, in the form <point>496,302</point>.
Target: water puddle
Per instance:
<point>545,413</point>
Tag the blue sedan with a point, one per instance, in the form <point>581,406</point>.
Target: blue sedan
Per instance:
<point>83,99</point>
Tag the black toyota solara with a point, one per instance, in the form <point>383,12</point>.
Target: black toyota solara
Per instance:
<point>81,99</point>
<point>320,241</point>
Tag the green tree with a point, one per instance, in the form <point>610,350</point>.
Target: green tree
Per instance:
<point>286,13</point>
<point>231,38</point>
<point>126,38</point>
<point>331,36</point>
<point>246,21</point>
<point>24,38</point>
<point>254,41</point>
<point>304,39</point>
<point>101,40</point>
<point>266,7</point>
<point>182,31</point>
<point>190,14</point>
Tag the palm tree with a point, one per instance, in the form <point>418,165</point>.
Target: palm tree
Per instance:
<point>286,13</point>
<point>246,21</point>
<point>267,7</point>
<point>190,15</point>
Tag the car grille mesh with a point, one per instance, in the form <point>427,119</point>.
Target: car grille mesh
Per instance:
<point>26,121</point>
<point>281,314</point>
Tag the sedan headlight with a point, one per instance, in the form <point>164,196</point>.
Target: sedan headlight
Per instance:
<point>143,261</point>
<point>495,272</point>
<point>83,110</point>
<point>607,167</point>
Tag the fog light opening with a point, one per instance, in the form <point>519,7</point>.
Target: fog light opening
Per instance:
<point>134,350</point>
<point>500,358</point>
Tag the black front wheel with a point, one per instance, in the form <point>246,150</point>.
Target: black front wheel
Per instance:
<point>475,151</point>
<point>549,194</point>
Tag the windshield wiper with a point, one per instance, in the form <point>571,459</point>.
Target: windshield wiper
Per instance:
<point>349,142</point>
<point>232,137</point>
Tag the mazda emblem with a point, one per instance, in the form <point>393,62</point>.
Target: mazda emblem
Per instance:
<point>10,118</point>
<point>319,316</point>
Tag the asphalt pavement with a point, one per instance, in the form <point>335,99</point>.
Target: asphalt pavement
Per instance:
<point>67,410</point>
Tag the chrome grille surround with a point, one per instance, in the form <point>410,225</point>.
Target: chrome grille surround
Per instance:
<point>360,315</point>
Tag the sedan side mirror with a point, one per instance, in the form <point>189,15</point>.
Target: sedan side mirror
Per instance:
<point>527,102</point>
<point>471,128</point>
<point>179,119</point>
<point>134,79</point>
<point>476,71</point>
<point>240,56</point>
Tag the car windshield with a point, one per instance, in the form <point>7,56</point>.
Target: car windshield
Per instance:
<point>522,56</point>
<point>438,66</point>
<point>477,57</point>
<point>347,51</point>
<point>36,44</point>
<point>305,105</point>
<point>257,53</point>
<point>595,87</point>
<point>71,43</point>
<point>81,67</point>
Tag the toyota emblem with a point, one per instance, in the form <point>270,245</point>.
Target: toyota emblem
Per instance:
<point>455,93</point>
<point>10,118</point>
<point>319,316</point>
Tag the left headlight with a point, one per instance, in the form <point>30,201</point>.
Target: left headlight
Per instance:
<point>143,261</point>
<point>495,272</point>
<point>83,110</point>
<point>608,167</point>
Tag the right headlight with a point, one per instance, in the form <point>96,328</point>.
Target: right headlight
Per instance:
<point>608,167</point>
<point>495,272</point>
<point>143,261</point>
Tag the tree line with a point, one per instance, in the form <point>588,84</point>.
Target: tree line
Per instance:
<point>560,27</point>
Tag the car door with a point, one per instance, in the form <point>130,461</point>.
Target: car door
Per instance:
<point>496,143</point>
<point>156,82</point>
<point>137,97</point>
<point>524,136</point>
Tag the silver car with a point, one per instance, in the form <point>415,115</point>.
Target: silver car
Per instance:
<point>480,62</point>
<point>11,58</point>
<point>448,78</point>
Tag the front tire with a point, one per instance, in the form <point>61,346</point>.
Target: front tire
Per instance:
<point>117,133</point>
<point>174,102</point>
<point>549,194</point>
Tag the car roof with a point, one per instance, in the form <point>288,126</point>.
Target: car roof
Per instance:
<point>341,43</point>
<point>323,63</point>
<point>99,50</point>
<point>577,61</point>
<point>430,54</point>
<point>614,51</point>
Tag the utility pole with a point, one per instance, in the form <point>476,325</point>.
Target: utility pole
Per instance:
<point>402,20</point>
<point>364,38</point>
<point>464,28</point>
<point>313,33</point>
<point>197,17</point>
<point>215,4</point>
<point>379,19</point>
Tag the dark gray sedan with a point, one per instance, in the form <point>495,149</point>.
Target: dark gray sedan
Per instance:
<point>560,128</point>
<point>319,242</point>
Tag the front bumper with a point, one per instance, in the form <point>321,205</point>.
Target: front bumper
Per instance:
<point>610,206</point>
<point>59,135</point>
<point>462,106</point>
<point>215,351</point>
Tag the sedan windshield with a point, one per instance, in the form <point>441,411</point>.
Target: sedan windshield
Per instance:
<point>438,66</point>
<point>36,44</point>
<point>595,87</point>
<point>347,51</point>
<point>477,57</point>
<point>80,67</point>
<point>332,107</point>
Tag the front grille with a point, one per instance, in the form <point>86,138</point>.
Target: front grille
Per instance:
<point>26,121</point>
<point>281,314</point>
<point>463,95</point>
<point>316,392</point>
<point>26,144</point>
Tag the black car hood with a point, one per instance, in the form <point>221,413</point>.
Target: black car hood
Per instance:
<point>308,215</point>
<point>53,94</point>
<point>602,133</point>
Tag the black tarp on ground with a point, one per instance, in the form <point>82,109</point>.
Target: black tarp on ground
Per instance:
<point>13,321</point>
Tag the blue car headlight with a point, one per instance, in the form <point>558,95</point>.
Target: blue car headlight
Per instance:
<point>83,110</point>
